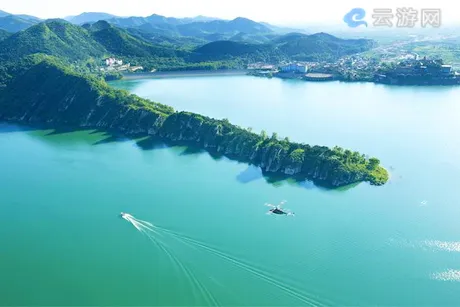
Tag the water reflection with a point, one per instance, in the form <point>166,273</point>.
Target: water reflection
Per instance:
<point>95,137</point>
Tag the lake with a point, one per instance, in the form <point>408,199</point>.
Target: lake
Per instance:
<point>63,242</point>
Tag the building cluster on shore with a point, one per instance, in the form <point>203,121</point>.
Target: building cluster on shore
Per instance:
<point>295,67</point>
<point>116,65</point>
<point>409,70</point>
<point>419,71</point>
<point>292,70</point>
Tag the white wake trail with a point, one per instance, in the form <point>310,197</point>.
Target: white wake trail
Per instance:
<point>249,268</point>
<point>256,272</point>
<point>135,224</point>
<point>141,221</point>
<point>139,225</point>
<point>150,231</point>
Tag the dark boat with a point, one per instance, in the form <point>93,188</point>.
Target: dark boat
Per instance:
<point>277,211</point>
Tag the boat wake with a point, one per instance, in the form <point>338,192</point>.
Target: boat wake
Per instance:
<point>155,233</point>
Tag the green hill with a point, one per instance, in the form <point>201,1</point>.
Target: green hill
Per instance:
<point>57,38</point>
<point>230,48</point>
<point>319,46</point>
<point>251,38</point>
<point>4,34</point>
<point>223,27</point>
<point>165,40</point>
<point>75,43</point>
<point>121,42</point>
<point>210,29</point>
<point>236,51</point>
<point>293,46</point>
<point>51,93</point>
<point>80,43</point>
<point>154,24</point>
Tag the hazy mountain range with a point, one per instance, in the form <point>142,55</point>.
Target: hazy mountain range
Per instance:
<point>15,23</point>
<point>80,43</point>
<point>199,26</point>
<point>166,43</point>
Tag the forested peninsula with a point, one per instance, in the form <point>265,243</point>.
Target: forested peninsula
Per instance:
<point>69,98</point>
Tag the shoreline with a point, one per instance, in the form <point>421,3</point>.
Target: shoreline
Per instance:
<point>245,72</point>
<point>184,73</point>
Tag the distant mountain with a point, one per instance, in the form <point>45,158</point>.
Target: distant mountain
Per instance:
<point>252,38</point>
<point>120,42</point>
<point>157,20</point>
<point>282,30</point>
<point>3,13</point>
<point>4,34</point>
<point>231,27</point>
<point>29,17</point>
<point>320,46</point>
<point>201,27</point>
<point>229,50</point>
<point>73,43</point>
<point>89,17</point>
<point>55,37</point>
<point>199,18</point>
<point>152,24</point>
<point>289,37</point>
<point>292,46</point>
<point>166,40</point>
<point>15,23</point>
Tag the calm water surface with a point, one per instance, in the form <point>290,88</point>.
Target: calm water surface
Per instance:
<point>61,191</point>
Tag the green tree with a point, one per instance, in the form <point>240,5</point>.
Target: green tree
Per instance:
<point>263,135</point>
<point>373,163</point>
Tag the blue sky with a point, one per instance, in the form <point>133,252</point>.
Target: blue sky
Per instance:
<point>285,12</point>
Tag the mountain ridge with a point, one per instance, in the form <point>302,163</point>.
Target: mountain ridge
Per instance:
<point>86,17</point>
<point>15,23</point>
<point>52,37</point>
<point>79,43</point>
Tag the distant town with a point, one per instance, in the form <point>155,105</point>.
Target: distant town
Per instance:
<point>410,69</point>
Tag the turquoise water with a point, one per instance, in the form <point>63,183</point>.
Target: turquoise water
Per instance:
<point>61,192</point>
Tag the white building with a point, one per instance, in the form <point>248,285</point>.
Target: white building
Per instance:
<point>295,67</point>
<point>113,61</point>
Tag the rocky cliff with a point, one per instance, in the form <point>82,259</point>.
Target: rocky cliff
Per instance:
<point>51,93</point>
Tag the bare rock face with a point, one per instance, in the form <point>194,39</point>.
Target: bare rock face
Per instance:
<point>292,170</point>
